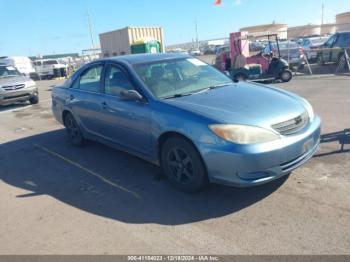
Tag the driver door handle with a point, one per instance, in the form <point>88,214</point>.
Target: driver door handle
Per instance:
<point>71,97</point>
<point>104,105</point>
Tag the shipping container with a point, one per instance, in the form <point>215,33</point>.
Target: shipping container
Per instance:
<point>119,42</point>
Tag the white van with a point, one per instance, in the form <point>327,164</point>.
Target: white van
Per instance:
<point>45,67</point>
<point>22,63</point>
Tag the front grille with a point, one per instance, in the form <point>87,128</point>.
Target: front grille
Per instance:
<point>293,125</point>
<point>13,87</point>
<point>16,96</point>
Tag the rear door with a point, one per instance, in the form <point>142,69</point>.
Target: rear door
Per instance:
<point>85,99</point>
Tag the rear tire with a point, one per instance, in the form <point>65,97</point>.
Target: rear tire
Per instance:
<point>286,75</point>
<point>75,135</point>
<point>183,165</point>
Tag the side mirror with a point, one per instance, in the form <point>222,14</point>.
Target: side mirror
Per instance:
<point>130,95</point>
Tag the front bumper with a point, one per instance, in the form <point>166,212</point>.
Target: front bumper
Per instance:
<point>248,165</point>
<point>13,96</point>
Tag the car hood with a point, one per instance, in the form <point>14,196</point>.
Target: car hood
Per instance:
<point>17,80</point>
<point>243,103</point>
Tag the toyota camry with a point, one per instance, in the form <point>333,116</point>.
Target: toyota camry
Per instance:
<point>192,120</point>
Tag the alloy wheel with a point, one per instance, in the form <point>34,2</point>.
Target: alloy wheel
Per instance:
<point>181,166</point>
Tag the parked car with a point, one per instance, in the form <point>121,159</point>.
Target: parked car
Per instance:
<point>192,120</point>
<point>333,50</point>
<point>311,46</point>
<point>290,51</point>
<point>15,87</point>
<point>22,63</point>
<point>209,50</point>
<point>195,52</point>
<point>49,68</point>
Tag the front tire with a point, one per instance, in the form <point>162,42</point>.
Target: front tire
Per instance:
<point>75,135</point>
<point>183,165</point>
<point>34,100</point>
<point>286,75</point>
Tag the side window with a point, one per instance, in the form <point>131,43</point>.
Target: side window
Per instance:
<point>330,41</point>
<point>90,79</point>
<point>116,81</point>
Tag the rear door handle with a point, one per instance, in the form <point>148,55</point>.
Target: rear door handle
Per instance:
<point>104,105</point>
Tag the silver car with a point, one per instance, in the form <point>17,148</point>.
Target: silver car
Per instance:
<point>311,46</point>
<point>290,51</point>
<point>15,87</point>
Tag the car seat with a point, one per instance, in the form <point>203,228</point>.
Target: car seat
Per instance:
<point>118,83</point>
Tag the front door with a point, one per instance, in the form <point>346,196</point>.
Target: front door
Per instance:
<point>126,123</point>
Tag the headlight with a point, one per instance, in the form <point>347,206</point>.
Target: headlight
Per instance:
<point>242,134</point>
<point>309,109</point>
<point>30,83</point>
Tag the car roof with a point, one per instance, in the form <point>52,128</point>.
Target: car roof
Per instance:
<point>146,58</point>
<point>317,37</point>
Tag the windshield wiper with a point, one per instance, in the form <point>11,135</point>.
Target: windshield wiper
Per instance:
<point>198,91</point>
<point>219,85</point>
<point>178,95</point>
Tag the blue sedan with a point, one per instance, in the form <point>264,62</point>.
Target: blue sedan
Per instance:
<point>195,122</point>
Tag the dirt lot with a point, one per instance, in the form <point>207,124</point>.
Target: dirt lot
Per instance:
<point>57,199</point>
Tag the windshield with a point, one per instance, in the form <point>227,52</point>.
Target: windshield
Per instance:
<point>179,77</point>
<point>8,71</point>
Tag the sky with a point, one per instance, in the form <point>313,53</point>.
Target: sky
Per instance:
<point>33,27</point>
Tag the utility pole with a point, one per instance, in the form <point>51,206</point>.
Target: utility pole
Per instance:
<point>91,33</point>
<point>196,26</point>
<point>322,12</point>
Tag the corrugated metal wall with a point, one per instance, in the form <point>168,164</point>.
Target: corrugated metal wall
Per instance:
<point>118,42</point>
